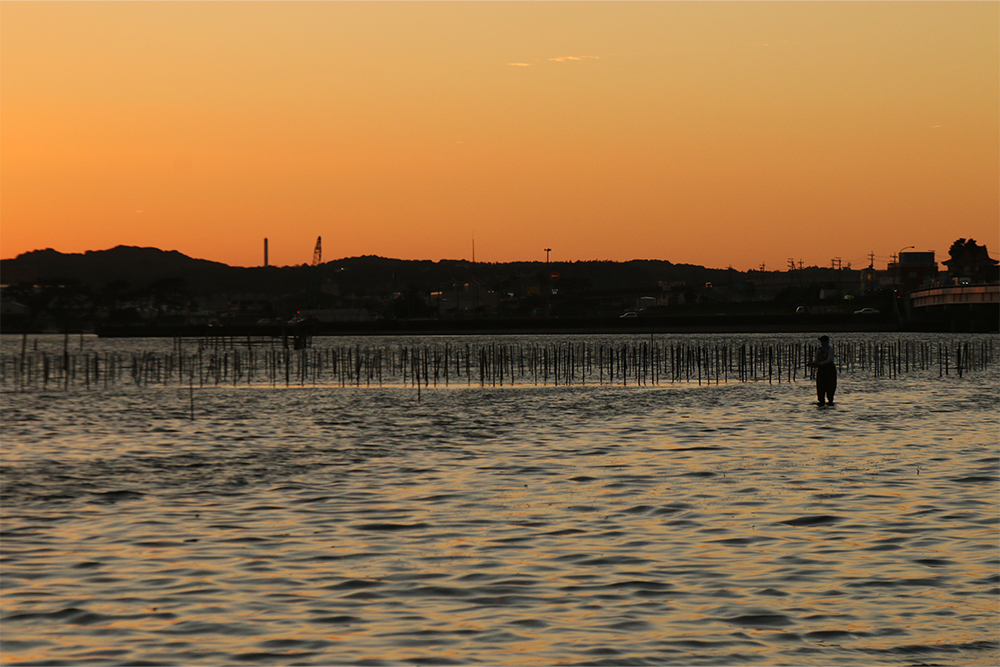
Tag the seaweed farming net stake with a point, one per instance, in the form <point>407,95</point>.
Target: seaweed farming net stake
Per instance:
<point>500,364</point>
<point>191,391</point>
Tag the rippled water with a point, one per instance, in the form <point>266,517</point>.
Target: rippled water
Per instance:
<point>725,524</point>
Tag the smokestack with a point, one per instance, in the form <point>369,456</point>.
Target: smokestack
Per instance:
<point>265,252</point>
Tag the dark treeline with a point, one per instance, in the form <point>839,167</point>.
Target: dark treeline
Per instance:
<point>128,287</point>
<point>142,267</point>
<point>222,363</point>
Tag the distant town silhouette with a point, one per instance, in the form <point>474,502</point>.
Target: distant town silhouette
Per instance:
<point>132,287</point>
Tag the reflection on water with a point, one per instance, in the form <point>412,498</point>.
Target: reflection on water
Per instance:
<point>728,524</point>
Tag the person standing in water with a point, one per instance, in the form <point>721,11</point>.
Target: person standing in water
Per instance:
<point>826,372</point>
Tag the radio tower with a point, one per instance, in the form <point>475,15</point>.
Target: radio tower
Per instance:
<point>318,252</point>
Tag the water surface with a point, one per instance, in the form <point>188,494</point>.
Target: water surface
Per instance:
<point>726,524</point>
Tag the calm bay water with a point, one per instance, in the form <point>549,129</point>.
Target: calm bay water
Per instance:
<point>679,524</point>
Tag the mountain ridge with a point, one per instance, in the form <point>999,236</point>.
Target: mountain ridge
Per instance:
<point>139,266</point>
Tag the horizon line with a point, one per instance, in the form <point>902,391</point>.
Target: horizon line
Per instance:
<point>801,265</point>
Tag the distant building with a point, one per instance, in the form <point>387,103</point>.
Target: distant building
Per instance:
<point>914,270</point>
<point>971,263</point>
<point>868,282</point>
<point>645,302</point>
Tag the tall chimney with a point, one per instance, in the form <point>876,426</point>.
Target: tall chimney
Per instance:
<point>265,252</point>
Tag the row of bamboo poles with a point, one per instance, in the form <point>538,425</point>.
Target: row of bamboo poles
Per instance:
<point>484,364</point>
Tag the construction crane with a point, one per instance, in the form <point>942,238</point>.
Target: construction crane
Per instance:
<point>318,252</point>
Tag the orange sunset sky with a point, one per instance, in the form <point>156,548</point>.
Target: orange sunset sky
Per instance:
<point>711,133</point>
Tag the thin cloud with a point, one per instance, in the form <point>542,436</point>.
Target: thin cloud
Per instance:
<point>558,59</point>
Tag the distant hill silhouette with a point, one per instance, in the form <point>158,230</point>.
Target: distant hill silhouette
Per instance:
<point>98,268</point>
<point>140,267</point>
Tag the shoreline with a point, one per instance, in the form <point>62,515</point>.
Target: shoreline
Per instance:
<point>831,323</point>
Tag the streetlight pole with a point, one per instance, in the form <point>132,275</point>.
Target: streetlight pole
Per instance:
<point>899,279</point>
<point>899,268</point>
<point>547,251</point>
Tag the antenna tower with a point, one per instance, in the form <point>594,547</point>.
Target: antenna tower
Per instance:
<point>318,252</point>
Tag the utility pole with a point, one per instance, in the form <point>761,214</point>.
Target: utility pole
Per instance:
<point>791,267</point>
<point>547,251</point>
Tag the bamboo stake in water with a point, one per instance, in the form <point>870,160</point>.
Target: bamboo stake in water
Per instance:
<point>191,391</point>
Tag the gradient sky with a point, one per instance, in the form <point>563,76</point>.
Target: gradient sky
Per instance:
<point>710,133</point>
